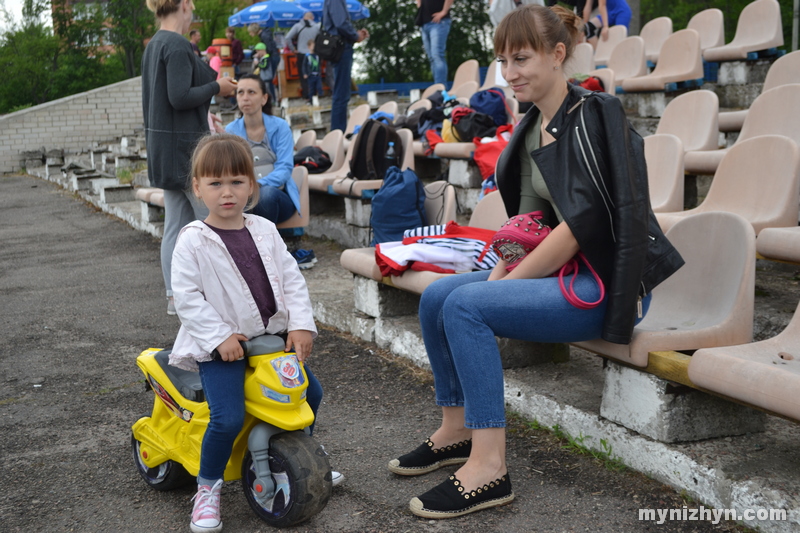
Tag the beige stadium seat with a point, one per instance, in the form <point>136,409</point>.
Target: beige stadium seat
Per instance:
<point>779,244</point>
<point>627,60</point>
<point>581,62</point>
<point>307,138</point>
<point>299,220</point>
<point>440,203</point>
<point>604,48</point>
<point>488,214</point>
<point>664,156</point>
<point>783,71</point>
<point>468,71</point>
<point>764,374</point>
<point>389,107</point>
<point>354,188</point>
<point>758,180</point>
<point>654,33</point>
<point>706,303</point>
<point>333,145</point>
<point>692,117</point>
<point>357,117</point>
<point>606,75</point>
<point>491,72</point>
<point>145,193</point>
<point>679,61</point>
<point>432,89</point>
<point>423,103</point>
<point>465,90</point>
<point>157,198</point>
<point>759,28</point>
<point>774,112</point>
<point>710,25</point>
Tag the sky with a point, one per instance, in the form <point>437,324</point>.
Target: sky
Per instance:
<point>14,8</point>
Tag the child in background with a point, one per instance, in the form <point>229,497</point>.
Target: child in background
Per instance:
<point>264,67</point>
<point>311,71</point>
<point>214,61</point>
<point>217,285</point>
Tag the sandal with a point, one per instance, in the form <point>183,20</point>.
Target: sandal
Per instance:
<point>425,459</point>
<point>449,500</point>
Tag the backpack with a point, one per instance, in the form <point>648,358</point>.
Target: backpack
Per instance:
<point>369,154</point>
<point>493,103</point>
<point>474,125</point>
<point>397,206</point>
<point>313,158</point>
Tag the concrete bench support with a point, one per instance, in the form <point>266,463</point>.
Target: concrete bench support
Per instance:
<point>116,193</point>
<point>357,212</point>
<point>464,173</point>
<point>379,300</point>
<point>152,213</point>
<point>667,412</point>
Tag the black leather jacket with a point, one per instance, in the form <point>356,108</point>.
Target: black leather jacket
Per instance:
<point>597,176</point>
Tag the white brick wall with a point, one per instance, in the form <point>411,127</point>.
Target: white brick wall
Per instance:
<point>71,123</point>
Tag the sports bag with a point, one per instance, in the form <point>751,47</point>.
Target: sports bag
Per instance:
<point>474,125</point>
<point>493,103</point>
<point>521,234</point>
<point>369,160</point>
<point>397,206</point>
<point>313,158</point>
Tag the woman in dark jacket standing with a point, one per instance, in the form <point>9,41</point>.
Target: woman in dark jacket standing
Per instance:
<point>177,87</point>
<point>574,157</point>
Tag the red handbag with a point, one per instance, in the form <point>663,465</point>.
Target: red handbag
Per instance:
<point>521,234</point>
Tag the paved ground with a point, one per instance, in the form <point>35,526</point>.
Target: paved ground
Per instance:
<point>83,296</point>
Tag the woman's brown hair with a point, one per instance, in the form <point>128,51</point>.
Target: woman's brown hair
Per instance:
<point>538,27</point>
<point>224,154</point>
<point>162,8</point>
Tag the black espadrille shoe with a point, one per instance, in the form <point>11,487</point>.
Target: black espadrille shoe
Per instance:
<point>426,459</point>
<point>449,499</point>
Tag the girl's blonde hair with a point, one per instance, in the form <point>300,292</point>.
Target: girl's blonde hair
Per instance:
<point>223,154</point>
<point>162,8</point>
<point>538,27</point>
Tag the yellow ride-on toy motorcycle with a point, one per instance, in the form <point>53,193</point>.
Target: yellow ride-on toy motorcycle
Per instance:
<point>285,474</point>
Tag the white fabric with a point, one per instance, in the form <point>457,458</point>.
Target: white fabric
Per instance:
<point>501,8</point>
<point>213,300</point>
<point>447,258</point>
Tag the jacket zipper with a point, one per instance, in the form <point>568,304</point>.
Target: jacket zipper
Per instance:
<point>591,172</point>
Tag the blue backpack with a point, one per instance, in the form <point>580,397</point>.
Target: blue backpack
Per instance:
<point>397,206</point>
<point>491,102</point>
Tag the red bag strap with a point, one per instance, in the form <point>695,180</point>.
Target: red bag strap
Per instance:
<point>572,265</point>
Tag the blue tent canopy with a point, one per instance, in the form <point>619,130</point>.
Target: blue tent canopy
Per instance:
<point>354,7</point>
<point>269,13</point>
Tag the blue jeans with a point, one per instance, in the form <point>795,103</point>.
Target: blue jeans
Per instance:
<point>341,89</point>
<point>223,385</point>
<point>434,40</point>
<point>274,204</point>
<point>460,316</point>
<point>314,83</point>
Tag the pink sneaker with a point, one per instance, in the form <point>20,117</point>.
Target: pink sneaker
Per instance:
<point>205,516</point>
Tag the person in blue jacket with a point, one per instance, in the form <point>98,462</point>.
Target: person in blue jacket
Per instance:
<point>272,144</point>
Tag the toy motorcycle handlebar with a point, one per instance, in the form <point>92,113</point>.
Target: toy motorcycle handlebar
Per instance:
<point>261,345</point>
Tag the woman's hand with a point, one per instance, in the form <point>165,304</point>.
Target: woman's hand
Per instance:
<point>230,349</point>
<point>302,340</point>
<point>499,271</point>
<point>217,123</point>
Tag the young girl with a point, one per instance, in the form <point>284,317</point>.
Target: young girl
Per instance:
<point>233,279</point>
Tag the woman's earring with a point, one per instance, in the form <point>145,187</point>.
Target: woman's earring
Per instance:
<point>556,67</point>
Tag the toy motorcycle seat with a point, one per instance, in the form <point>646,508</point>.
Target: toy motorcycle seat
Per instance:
<point>187,383</point>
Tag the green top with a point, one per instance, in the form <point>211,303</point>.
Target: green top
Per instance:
<point>534,195</point>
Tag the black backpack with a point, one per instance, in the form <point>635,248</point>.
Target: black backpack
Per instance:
<point>369,160</point>
<point>313,158</point>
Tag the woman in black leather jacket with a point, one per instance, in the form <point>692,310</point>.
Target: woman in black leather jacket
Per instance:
<point>574,157</point>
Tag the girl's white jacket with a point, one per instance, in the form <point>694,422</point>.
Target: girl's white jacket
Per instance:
<point>213,300</point>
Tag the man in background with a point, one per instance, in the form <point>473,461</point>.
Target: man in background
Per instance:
<point>434,18</point>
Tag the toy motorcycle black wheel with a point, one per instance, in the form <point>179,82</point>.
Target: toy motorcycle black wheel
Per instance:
<point>168,475</point>
<point>302,477</point>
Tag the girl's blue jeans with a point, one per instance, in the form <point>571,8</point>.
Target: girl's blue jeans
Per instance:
<point>223,385</point>
<point>460,316</point>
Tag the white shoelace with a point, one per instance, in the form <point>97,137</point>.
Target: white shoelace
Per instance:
<point>207,500</point>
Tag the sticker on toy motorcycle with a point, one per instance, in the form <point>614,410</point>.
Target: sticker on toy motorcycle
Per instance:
<point>172,405</point>
<point>288,369</point>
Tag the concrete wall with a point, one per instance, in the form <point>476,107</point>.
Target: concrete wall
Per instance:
<point>71,123</point>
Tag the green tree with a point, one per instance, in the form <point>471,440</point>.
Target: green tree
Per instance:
<point>394,51</point>
<point>213,15</point>
<point>130,23</point>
